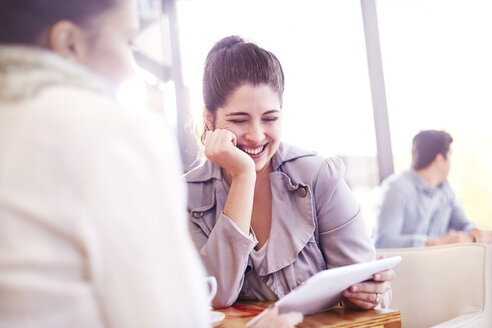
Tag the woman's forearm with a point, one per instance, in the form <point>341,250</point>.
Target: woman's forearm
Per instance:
<point>239,203</point>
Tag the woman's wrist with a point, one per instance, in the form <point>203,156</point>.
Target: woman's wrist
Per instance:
<point>244,176</point>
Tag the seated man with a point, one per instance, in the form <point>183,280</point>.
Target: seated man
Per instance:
<point>418,207</point>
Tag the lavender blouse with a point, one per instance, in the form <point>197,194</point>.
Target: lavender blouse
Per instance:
<point>316,225</point>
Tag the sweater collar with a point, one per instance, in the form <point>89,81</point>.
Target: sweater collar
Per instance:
<point>27,70</point>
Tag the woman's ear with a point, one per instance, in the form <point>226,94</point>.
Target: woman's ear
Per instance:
<point>208,118</point>
<point>68,40</point>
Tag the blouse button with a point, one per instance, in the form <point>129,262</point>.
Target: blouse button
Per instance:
<point>197,215</point>
<point>302,192</point>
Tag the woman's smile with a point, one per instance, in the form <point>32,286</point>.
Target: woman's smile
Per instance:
<point>253,151</point>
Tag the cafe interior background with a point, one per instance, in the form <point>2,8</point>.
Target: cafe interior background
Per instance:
<point>362,78</point>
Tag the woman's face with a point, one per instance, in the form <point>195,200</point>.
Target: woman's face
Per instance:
<point>108,49</point>
<point>253,114</point>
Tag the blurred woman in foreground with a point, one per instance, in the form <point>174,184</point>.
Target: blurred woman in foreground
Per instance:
<point>92,228</point>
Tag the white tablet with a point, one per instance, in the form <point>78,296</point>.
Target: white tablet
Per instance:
<point>325,288</point>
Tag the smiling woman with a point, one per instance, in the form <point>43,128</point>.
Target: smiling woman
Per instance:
<point>265,215</point>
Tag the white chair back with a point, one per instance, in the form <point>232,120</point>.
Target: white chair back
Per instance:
<point>449,285</point>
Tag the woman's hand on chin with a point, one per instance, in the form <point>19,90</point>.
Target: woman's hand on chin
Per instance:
<point>220,148</point>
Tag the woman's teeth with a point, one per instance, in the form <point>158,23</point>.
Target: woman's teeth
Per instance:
<point>253,151</point>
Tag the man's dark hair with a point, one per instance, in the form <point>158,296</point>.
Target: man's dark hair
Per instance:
<point>426,145</point>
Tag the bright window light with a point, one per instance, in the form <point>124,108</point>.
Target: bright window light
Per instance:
<point>437,60</point>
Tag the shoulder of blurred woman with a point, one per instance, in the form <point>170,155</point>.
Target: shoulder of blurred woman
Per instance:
<point>26,71</point>
<point>67,99</point>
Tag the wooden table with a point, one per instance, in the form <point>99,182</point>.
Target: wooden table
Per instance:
<point>243,311</point>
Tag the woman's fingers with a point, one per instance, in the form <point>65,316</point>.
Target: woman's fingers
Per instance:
<point>219,143</point>
<point>369,294</point>
<point>361,304</point>
<point>370,297</point>
<point>364,300</point>
<point>219,139</point>
<point>386,275</point>
<point>220,147</point>
<point>370,287</point>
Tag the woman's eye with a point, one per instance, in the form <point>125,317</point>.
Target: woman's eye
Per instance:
<point>237,121</point>
<point>270,119</point>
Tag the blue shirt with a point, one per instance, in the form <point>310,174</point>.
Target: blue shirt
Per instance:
<point>410,211</point>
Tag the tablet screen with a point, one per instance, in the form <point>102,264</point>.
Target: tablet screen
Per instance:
<point>325,288</point>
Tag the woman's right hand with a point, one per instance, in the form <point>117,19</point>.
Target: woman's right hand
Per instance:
<point>220,148</point>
